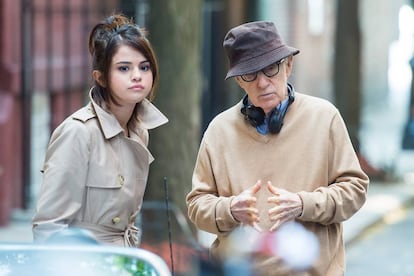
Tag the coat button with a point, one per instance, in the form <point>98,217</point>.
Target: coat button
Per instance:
<point>120,180</point>
<point>116,220</point>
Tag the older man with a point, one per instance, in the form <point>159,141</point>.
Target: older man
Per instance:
<point>276,156</point>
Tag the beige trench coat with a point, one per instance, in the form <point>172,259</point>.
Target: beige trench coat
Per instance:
<point>94,177</point>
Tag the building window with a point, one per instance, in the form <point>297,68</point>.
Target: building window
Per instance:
<point>316,16</point>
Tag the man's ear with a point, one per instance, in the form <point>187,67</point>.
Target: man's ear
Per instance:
<point>239,81</point>
<point>98,77</point>
<point>289,65</point>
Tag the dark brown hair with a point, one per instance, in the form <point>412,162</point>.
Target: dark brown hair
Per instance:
<point>104,41</point>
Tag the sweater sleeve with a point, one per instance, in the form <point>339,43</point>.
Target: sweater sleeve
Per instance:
<point>206,209</point>
<point>346,191</point>
<point>64,177</point>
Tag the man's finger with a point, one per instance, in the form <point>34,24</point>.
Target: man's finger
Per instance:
<point>272,188</point>
<point>257,227</point>
<point>256,187</point>
<point>275,226</point>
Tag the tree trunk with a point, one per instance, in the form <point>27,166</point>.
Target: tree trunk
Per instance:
<point>175,32</point>
<point>347,66</point>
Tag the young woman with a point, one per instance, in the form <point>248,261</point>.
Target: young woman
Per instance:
<point>97,161</point>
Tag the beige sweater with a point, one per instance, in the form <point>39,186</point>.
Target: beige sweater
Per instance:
<point>312,155</point>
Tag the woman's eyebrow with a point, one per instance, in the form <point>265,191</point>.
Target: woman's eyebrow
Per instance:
<point>130,62</point>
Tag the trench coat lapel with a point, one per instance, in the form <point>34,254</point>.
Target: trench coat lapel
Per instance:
<point>149,116</point>
<point>109,124</point>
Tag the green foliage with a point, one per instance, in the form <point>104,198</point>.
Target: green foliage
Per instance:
<point>132,266</point>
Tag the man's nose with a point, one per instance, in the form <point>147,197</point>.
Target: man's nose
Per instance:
<point>262,79</point>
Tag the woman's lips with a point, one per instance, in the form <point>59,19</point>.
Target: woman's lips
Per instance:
<point>136,87</point>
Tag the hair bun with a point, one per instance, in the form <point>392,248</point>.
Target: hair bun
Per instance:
<point>102,32</point>
<point>115,21</point>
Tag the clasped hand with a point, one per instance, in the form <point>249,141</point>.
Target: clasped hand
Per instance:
<point>288,206</point>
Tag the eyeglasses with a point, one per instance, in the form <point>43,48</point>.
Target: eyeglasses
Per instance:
<point>269,71</point>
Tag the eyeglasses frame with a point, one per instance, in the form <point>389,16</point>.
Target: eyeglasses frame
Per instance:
<point>263,71</point>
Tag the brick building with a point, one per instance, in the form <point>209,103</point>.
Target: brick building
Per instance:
<point>44,59</point>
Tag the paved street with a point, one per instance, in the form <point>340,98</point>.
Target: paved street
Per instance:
<point>386,249</point>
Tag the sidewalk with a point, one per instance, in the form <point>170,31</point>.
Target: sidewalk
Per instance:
<point>383,200</point>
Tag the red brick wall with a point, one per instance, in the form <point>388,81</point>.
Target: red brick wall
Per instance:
<point>10,112</point>
<point>64,80</point>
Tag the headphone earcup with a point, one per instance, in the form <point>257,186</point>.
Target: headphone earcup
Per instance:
<point>275,121</point>
<point>277,115</point>
<point>255,115</point>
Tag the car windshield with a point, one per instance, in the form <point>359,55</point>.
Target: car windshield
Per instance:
<point>47,260</point>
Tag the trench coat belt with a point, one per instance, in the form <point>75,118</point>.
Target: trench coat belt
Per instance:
<point>131,234</point>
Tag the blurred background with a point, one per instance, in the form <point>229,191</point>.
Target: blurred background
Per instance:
<point>356,54</point>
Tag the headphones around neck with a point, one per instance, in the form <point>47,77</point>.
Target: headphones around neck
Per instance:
<point>256,116</point>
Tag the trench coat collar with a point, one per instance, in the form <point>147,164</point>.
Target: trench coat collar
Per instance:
<point>148,117</point>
